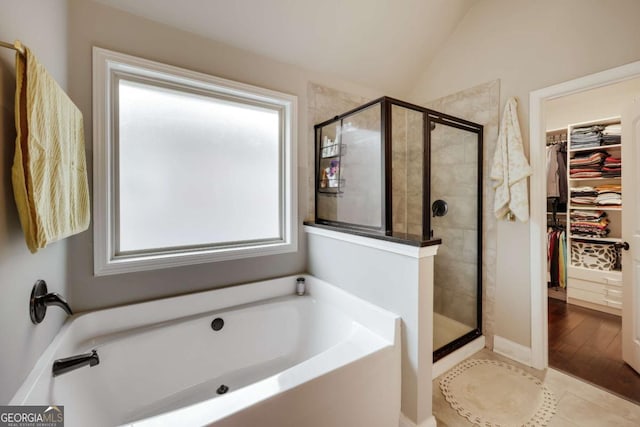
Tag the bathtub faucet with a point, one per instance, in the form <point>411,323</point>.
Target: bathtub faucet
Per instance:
<point>41,299</point>
<point>68,364</point>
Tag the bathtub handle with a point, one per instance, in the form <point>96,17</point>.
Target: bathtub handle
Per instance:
<point>41,299</point>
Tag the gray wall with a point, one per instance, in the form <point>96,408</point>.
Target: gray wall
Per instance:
<point>41,26</point>
<point>92,24</point>
<point>528,46</point>
<point>62,34</point>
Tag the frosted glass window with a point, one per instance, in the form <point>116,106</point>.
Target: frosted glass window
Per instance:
<point>188,168</point>
<point>195,170</point>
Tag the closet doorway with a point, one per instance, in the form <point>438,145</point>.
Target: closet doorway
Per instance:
<point>578,206</point>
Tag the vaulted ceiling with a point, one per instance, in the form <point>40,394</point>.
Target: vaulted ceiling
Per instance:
<point>383,44</point>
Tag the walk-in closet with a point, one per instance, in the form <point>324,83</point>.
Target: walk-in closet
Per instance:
<point>586,238</point>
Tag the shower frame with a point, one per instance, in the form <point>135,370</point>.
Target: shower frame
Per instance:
<point>431,118</point>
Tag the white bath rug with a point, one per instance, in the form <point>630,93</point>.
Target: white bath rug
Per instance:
<point>490,393</point>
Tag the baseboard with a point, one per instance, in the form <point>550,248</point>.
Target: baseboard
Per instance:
<point>451,360</point>
<point>512,350</point>
<point>406,422</point>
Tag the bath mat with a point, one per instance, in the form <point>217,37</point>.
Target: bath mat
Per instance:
<point>490,393</point>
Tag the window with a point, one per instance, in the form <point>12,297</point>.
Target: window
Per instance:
<point>188,168</point>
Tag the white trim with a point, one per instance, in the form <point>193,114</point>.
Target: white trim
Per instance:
<point>537,228</point>
<point>370,242</point>
<point>512,350</point>
<point>451,360</point>
<point>107,64</point>
<point>406,422</point>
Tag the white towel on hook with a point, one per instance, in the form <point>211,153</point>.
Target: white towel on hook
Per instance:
<point>510,167</point>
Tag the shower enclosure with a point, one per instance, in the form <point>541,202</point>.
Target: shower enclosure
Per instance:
<point>397,171</point>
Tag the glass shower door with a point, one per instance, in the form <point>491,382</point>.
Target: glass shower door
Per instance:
<point>456,193</point>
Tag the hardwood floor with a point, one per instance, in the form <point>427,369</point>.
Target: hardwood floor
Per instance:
<point>587,343</point>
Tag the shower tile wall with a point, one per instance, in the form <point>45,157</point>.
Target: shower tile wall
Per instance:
<point>407,161</point>
<point>454,179</point>
<point>481,104</point>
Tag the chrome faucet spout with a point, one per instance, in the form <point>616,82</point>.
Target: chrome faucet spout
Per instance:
<point>68,364</point>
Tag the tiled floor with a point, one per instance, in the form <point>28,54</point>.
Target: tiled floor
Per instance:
<point>579,403</point>
<point>446,330</point>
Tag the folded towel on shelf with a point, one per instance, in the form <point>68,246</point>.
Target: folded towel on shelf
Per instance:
<point>589,223</point>
<point>612,161</point>
<point>601,223</point>
<point>614,129</point>
<point>49,172</point>
<point>584,200</point>
<point>585,144</point>
<point>510,167</point>
<point>609,199</point>
<point>587,129</point>
<point>608,187</point>
<point>586,174</point>
<point>587,214</point>
<point>575,169</point>
<point>611,172</point>
<point>611,139</point>
<point>595,158</point>
<point>583,191</point>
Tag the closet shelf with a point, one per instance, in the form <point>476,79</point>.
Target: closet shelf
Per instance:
<point>597,148</point>
<point>597,208</point>
<point>596,179</point>
<point>594,266</point>
<point>597,239</point>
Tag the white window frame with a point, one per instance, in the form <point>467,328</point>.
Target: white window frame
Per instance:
<point>108,67</point>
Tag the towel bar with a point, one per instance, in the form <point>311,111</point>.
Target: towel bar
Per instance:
<point>17,46</point>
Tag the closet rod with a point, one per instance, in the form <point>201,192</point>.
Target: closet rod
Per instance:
<point>17,46</point>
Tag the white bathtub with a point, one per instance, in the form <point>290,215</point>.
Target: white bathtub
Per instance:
<point>324,359</point>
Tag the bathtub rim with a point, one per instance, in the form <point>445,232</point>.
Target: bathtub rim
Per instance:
<point>380,321</point>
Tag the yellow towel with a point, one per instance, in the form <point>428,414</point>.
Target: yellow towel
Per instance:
<point>49,170</point>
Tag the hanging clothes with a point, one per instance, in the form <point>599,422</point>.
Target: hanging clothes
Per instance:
<point>553,180</point>
<point>557,257</point>
<point>562,260</point>
<point>563,184</point>
<point>557,185</point>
